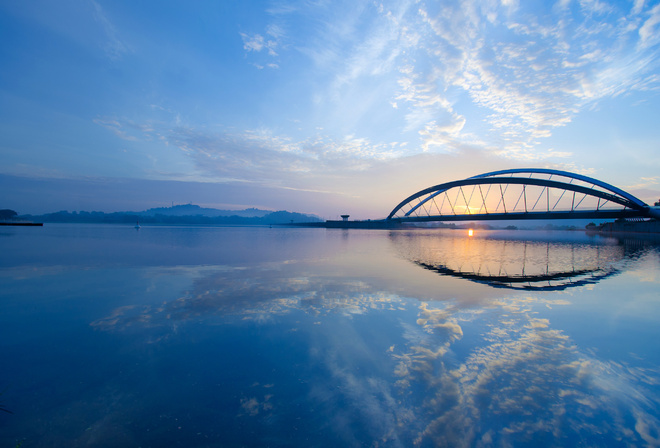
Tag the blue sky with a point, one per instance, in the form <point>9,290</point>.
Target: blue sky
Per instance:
<point>323,107</point>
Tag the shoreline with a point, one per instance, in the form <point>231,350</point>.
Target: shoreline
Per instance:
<point>24,224</point>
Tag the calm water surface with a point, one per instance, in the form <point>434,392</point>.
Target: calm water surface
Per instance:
<point>228,336</point>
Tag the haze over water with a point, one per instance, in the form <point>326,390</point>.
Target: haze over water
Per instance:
<point>238,336</point>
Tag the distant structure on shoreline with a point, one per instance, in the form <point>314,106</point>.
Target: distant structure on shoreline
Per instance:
<point>626,226</point>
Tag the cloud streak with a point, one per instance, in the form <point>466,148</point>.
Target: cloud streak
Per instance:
<point>114,47</point>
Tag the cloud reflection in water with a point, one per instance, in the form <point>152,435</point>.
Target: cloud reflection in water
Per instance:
<point>523,382</point>
<point>492,372</point>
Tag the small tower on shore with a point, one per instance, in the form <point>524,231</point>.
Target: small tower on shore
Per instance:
<point>345,217</point>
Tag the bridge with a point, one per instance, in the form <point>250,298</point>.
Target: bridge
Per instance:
<point>520,194</point>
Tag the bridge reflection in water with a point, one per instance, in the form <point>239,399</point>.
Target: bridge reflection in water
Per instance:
<point>517,260</point>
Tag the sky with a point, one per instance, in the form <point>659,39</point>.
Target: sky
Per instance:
<point>321,107</point>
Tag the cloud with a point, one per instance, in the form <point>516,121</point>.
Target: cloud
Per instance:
<point>442,136</point>
<point>114,47</point>
<point>252,43</point>
<point>256,42</point>
<point>644,182</point>
<point>259,155</point>
<point>532,74</point>
<point>467,78</point>
<point>648,34</point>
<point>119,129</point>
<point>499,77</point>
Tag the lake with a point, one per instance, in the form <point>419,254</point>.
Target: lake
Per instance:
<point>256,336</point>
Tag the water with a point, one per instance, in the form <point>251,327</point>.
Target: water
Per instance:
<point>228,336</point>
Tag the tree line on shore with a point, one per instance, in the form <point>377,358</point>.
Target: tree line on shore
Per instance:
<point>278,217</point>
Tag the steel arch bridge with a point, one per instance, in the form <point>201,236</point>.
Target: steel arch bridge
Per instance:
<point>527,193</point>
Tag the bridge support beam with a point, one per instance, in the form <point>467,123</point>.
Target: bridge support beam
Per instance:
<point>654,212</point>
<point>527,216</point>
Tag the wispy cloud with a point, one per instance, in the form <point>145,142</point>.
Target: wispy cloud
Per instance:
<point>393,80</point>
<point>349,90</point>
<point>114,46</point>
<point>259,155</point>
<point>119,129</point>
<point>529,71</point>
<point>256,42</point>
<point>644,182</point>
<point>268,41</point>
<point>648,33</point>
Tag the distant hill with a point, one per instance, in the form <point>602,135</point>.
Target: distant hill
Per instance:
<point>195,210</point>
<point>179,214</point>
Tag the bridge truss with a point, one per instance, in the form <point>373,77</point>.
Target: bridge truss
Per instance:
<point>520,194</point>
